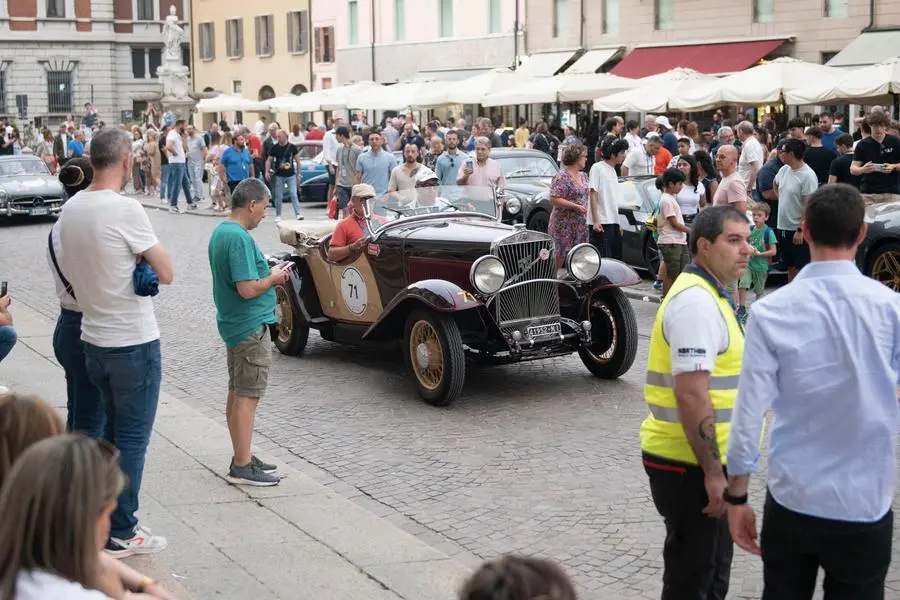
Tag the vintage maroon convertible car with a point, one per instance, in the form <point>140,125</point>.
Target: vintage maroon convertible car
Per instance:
<point>446,280</point>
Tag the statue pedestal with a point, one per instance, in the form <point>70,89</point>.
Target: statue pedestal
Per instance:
<point>176,89</point>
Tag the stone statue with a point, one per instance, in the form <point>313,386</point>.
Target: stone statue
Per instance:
<point>174,36</point>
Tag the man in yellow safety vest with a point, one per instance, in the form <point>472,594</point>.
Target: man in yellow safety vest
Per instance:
<point>693,365</point>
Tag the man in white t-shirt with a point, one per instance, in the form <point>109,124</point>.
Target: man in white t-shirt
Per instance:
<point>752,157</point>
<point>103,234</point>
<point>642,161</point>
<point>177,166</point>
<point>330,145</point>
<point>603,216</point>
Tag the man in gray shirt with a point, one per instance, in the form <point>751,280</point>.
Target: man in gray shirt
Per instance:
<point>794,183</point>
<point>347,155</point>
<point>404,176</point>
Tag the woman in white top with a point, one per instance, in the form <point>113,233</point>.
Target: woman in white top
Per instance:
<point>56,504</point>
<point>633,137</point>
<point>692,196</point>
<point>296,136</point>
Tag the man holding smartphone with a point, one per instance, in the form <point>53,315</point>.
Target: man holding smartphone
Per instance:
<point>243,291</point>
<point>876,161</point>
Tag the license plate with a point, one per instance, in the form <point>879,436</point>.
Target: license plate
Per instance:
<point>38,212</point>
<point>542,330</point>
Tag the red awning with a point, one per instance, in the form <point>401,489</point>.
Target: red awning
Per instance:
<point>706,58</point>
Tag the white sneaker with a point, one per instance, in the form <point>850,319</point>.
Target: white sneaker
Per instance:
<point>278,219</point>
<point>143,542</point>
<point>173,210</point>
<point>299,217</point>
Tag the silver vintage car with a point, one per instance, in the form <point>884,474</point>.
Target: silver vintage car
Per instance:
<point>28,189</point>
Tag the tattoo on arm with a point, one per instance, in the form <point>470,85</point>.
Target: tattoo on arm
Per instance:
<point>707,434</point>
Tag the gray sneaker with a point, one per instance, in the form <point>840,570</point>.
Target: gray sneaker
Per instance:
<point>263,466</point>
<point>251,474</point>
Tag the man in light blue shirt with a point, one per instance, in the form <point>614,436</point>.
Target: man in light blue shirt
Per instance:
<point>824,353</point>
<point>374,167</point>
<point>447,165</point>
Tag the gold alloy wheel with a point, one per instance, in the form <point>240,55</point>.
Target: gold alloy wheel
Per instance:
<point>886,269</point>
<point>426,354</point>
<point>606,356</point>
<point>284,314</point>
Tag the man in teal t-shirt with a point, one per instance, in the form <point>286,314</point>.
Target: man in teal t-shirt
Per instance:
<point>245,306</point>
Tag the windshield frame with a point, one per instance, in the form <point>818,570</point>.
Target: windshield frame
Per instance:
<point>42,166</point>
<point>377,223</point>
<point>512,157</point>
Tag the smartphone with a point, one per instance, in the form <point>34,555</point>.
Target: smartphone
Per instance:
<point>470,164</point>
<point>3,286</point>
<point>878,166</point>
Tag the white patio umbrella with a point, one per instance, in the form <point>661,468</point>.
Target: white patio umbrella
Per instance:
<point>471,90</point>
<point>875,83</point>
<point>227,103</point>
<point>292,104</point>
<point>391,97</point>
<point>567,87</point>
<point>765,83</point>
<point>344,97</point>
<point>653,93</point>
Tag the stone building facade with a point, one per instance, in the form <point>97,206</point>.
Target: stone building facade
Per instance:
<point>61,54</point>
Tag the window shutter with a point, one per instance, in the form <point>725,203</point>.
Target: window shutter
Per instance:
<point>304,31</point>
<point>240,37</point>
<point>290,28</point>
<point>228,38</point>
<point>212,41</point>
<point>258,40</point>
<point>270,35</point>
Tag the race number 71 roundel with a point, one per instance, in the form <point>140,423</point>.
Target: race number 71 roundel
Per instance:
<point>353,291</point>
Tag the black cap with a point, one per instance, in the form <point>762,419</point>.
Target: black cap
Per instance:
<point>343,131</point>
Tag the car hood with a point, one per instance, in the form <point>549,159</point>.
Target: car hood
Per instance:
<point>459,231</point>
<point>527,186</point>
<point>884,215</point>
<point>31,185</point>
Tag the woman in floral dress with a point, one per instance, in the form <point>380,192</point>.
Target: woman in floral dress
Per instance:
<point>569,195</point>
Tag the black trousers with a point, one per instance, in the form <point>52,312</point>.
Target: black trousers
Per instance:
<point>608,242</point>
<point>698,549</point>
<point>854,556</point>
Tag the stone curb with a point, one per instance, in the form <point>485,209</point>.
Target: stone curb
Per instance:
<point>351,550</point>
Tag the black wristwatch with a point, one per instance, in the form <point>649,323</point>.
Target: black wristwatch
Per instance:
<point>735,500</point>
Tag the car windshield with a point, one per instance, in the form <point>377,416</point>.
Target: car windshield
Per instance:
<point>430,200</point>
<point>25,166</point>
<point>308,151</point>
<point>527,166</point>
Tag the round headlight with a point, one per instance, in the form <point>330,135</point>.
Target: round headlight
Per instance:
<point>487,275</point>
<point>583,262</point>
<point>513,205</point>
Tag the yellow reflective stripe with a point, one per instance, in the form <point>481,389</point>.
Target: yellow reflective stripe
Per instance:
<point>716,382</point>
<point>669,414</point>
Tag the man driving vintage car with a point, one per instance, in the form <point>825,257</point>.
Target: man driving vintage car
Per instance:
<point>351,232</point>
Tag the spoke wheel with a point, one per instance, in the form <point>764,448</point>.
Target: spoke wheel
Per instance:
<point>426,355</point>
<point>886,266</point>
<point>434,356</point>
<point>293,332</point>
<point>613,335</point>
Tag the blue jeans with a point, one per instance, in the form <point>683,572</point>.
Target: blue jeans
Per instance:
<point>164,181</point>
<point>84,405</point>
<point>278,190</point>
<point>8,339</point>
<point>186,181</point>
<point>177,173</point>
<point>129,380</point>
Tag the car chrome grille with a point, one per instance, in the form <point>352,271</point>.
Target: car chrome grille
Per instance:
<point>527,257</point>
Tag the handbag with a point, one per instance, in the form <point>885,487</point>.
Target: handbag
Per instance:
<point>144,279</point>
<point>332,208</point>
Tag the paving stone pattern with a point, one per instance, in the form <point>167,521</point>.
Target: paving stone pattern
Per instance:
<point>539,458</point>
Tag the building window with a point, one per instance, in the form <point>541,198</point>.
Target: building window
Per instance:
<point>266,92</point>
<point>399,20</point>
<point>324,44</point>
<point>559,17</point>
<point>234,38</point>
<point>236,86</point>
<point>207,41</point>
<point>446,18</point>
<point>2,91</point>
<point>298,31</point>
<point>665,14</point>
<point>154,61</point>
<point>138,64</point>
<point>298,89</point>
<point>326,83</point>
<point>145,10</point>
<point>59,92</point>
<point>836,8</point>
<point>353,22</point>
<point>186,55</point>
<point>611,17</point>
<point>494,16</point>
<point>826,56</point>
<point>763,11</point>
<point>56,9</point>
<point>264,34</point>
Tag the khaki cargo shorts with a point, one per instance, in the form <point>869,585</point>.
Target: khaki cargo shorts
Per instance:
<point>871,199</point>
<point>248,364</point>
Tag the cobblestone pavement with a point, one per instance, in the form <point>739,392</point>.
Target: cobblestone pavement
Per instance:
<point>538,458</point>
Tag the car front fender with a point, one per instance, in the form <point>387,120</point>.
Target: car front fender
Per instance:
<point>434,294</point>
<point>614,273</point>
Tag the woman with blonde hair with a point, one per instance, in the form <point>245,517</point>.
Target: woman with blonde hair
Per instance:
<point>26,422</point>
